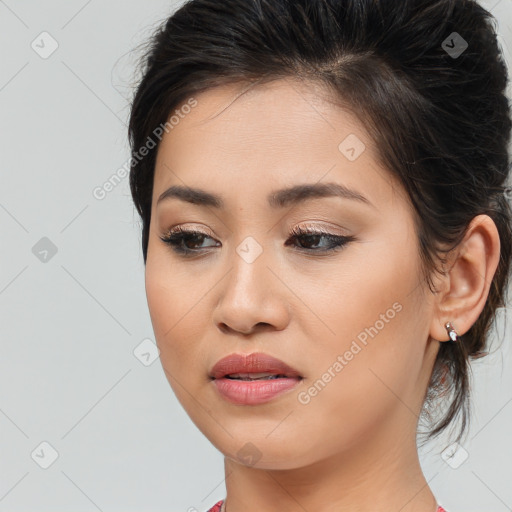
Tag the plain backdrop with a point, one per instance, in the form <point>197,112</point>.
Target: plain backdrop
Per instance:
<point>88,420</point>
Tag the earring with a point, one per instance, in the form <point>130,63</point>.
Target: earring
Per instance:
<point>451,331</point>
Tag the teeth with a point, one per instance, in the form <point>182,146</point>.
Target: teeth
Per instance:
<point>253,376</point>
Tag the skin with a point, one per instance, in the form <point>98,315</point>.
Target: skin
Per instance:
<point>353,445</point>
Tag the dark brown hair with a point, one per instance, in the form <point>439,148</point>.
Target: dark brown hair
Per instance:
<point>436,110</point>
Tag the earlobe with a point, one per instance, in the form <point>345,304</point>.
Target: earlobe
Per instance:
<point>452,333</point>
<point>468,280</point>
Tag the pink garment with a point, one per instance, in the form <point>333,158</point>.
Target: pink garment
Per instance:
<point>216,507</point>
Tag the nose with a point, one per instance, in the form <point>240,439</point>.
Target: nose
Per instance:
<point>251,299</point>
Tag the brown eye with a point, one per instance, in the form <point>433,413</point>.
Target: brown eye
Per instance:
<point>185,242</point>
<point>182,241</point>
<point>336,242</point>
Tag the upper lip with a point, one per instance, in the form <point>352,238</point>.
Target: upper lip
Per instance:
<point>251,363</point>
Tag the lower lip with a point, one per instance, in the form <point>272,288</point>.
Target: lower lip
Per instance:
<point>245,392</point>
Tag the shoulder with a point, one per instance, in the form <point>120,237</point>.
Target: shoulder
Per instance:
<point>218,505</point>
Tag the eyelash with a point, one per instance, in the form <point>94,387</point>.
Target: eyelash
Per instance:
<point>177,235</point>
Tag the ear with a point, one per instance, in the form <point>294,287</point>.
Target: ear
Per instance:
<point>465,287</point>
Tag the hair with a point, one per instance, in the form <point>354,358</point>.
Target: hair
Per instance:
<point>441,121</point>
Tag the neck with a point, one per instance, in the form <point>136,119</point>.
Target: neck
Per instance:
<point>375,472</point>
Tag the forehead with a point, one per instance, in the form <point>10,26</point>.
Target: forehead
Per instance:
<point>263,137</point>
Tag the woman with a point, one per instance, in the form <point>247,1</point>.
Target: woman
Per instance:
<point>326,235</point>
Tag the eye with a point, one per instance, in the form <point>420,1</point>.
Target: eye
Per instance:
<point>336,242</point>
<point>184,242</point>
<point>180,239</point>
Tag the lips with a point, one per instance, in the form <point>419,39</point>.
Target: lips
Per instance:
<point>251,366</point>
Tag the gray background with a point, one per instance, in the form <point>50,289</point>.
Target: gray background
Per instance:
<point>71,374</point>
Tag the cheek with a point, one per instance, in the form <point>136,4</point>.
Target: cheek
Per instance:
<point>175,325</point>
<point>365,288</point>
<point>159,296</point>
<point>383,315</point>
<point>177,305</point>
<point>374,306</point>
<point>168,303</point>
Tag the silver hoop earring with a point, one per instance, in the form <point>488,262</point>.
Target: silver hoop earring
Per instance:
<point>452,333</point>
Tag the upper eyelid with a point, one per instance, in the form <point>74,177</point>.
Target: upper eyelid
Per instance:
<point>306,228</point>
<point>176,235</point>
<point>339,240</point>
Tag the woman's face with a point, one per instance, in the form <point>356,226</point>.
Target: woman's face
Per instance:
<point>354,322</point>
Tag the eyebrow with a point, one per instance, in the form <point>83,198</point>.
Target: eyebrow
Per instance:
<point>276,199</point>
